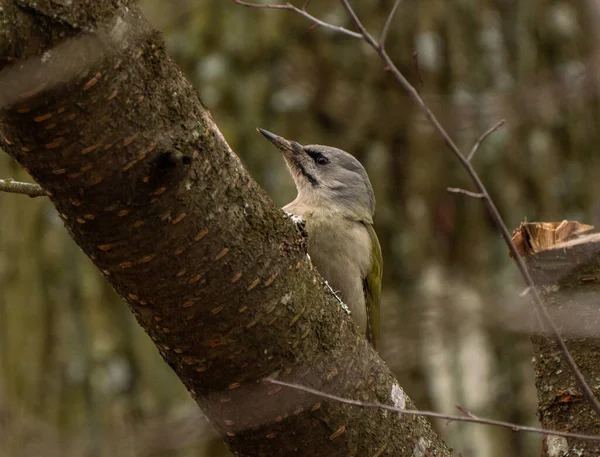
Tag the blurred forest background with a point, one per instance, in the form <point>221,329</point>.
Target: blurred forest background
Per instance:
<point>78,377</point>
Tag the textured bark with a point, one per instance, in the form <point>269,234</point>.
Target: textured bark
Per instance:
<point>96,112</point>
<point>568,275</point>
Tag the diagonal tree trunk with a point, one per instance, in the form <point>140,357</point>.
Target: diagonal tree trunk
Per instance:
<point>93,108</point>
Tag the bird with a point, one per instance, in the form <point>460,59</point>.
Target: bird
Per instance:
<point>336,200</point>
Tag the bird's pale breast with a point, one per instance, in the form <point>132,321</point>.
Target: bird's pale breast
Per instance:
<point>341,250</point>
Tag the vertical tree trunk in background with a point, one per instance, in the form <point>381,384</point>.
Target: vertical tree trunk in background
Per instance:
<point>568,275</point>
<point>96,112</point>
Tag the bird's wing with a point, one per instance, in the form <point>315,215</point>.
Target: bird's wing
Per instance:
<point>372,288</point>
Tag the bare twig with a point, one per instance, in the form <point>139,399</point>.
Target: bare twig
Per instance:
<point>388,23</point>
<point>466,164</point>
<point>302,12</point>
<point>342,304</point>
<point>25,188</point>
<point>483,137</point>
<point>457,190</point>
<point>468,416</point>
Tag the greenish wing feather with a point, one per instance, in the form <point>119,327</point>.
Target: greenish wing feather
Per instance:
<point>372,288</point>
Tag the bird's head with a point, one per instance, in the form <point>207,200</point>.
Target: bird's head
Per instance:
<point>327,177</point>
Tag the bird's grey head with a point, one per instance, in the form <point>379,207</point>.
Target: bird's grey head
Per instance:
<point>327,177</point>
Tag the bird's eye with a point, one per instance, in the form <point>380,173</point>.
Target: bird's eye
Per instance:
<point>322,160</point>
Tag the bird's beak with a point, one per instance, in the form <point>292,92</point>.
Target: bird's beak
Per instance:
<point>295,157</point>
<point>280,143</point>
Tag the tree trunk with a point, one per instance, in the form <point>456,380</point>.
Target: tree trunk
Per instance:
<point>97,113</point>
<point>568,275</point>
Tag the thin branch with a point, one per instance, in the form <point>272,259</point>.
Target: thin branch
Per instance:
<point>388,23</point>
<point>456,190</point>
<point>342,304</point>
<point>25,188</point>
<point>301,12</point>
<point>366,35</point>
<point>497,218</point>
<point>468,417</point>
<point>483,137</point>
